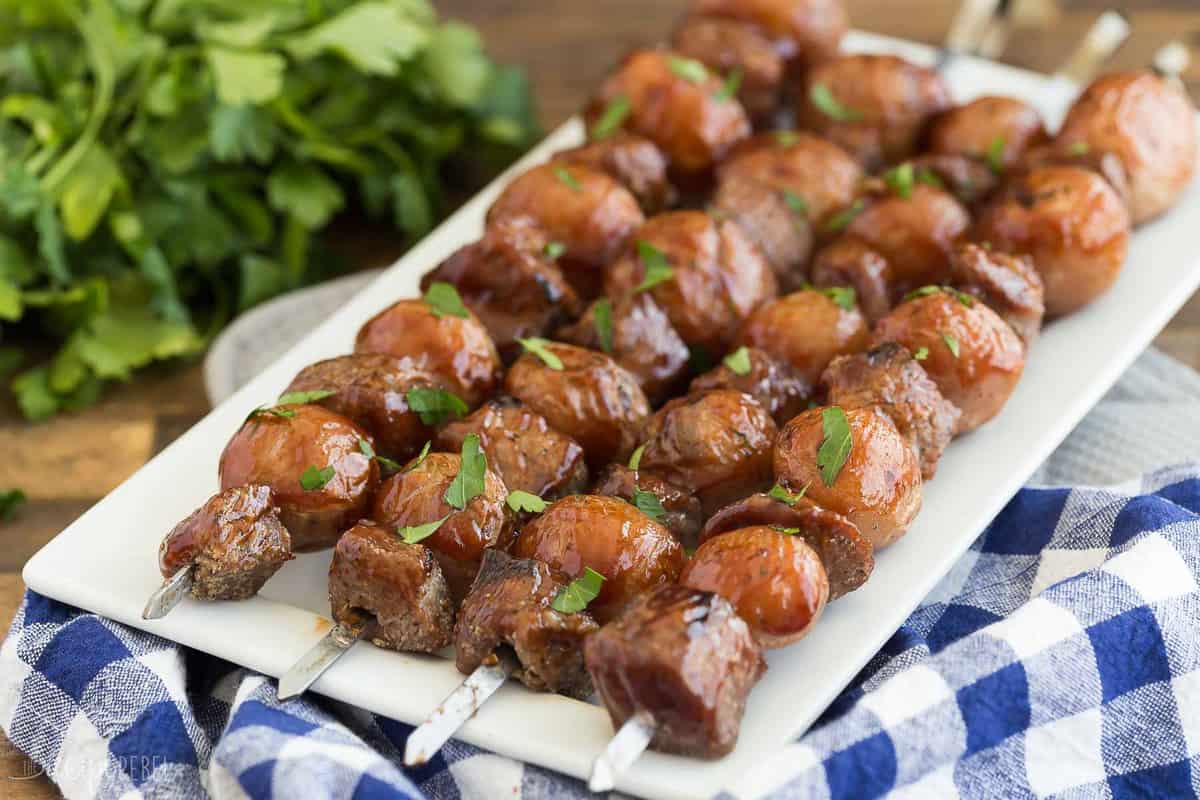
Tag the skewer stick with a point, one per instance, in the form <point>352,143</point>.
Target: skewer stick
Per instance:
<point>1172,60</point>
<point>458,707</point>
<point>623,749</point>
<point>169,595</point>
<point>1107,34</point>
<point>970,24</point>
<point>320,657</point>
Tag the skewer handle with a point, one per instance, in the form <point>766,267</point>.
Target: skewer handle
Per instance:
<point>458,707</point>
<point>1107,34</point>
<point>1172,60</point>
<point>622,750</point>
<point>169,595</point>
<point>320,657</point>
<point>972,21</point>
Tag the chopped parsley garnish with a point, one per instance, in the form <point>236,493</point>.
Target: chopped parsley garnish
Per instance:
<point>658,269</point>
<point>921,354</point>
<point>828,105</point>
<point>314,479</point>
<point>836,444</point>
<point>416,462</point>
<point>841,220</point>
<point>786,138</point>
<point>564,175</point>
<point>900,179</point>
<point>930,178</point>
<point>689,69</point>
<point>469,482</point>
<point>602,320</point>
<point>554,250</point>
<point>443,300</point>
<point>525,501</point>
<point>733,83</point>
<point>411,534</point>
<point>435,406</point>
<point>649,504</point>
<point>739,361</point>
<point>384,462</point>
<point>612,119</point>
<point>290,399</point>
<point>541,348</point>
<point>925,291</point>
<point>635,460</point>
<point>785,530</point>
<point>576,595</point>
<point>1077,149</point>
<point>784,496</point>
<point>951,344</point>
<point>843,296</point>
<point>995,154</point>
<point>795,203</point>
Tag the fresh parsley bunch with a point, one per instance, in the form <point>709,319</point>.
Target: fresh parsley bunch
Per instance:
<point>166,163</point>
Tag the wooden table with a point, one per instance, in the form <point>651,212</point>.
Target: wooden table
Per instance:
<point>68,464</point>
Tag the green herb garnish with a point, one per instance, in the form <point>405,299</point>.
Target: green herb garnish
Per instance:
<point>786,138</point>
<point>541,348</point>
<point>739,361</point>
<point>689,69</point>
<point>384,462</point>
<point>554,250</point>
<point>784,496</point>
<point>635,460</point>
<point>795,203</point>
<point>612,119</point>
<point>843,296</point>
<point>576,595</point>
<point>841,220</point>
<point>921,354</point>
<point>951,344</point>
<point>443,300</point>
<point>1077,149</point>
<point>525,501</point>
<point>900,179</point>
<point>472,472</point>
<point>564,175</point>
<point>649,504</point>
<point>435,406</point>
<point>658,270</point>
<point>416,462</point>
<point>785,530</point>
<point>314,479</point>
<point>602,320</point>
<point>731,86</point>
<point>930,178</point>
<point>995,154</point>
<point>828,105</point>
<point>411,534</point>
<point>10,501</point>
<point>925,291</point>
<point>836,444</point>
<point>301,398</point>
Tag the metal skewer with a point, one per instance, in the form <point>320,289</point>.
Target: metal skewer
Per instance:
<point>458,707</point>
<point>169,595</point>
<point>320,657</point>
<point>623,749</point>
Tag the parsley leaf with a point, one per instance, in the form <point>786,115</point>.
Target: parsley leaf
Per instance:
<point>443,300</point>
<point>658,269</point>
<point>541,348</point>
<point>836,444</point>
<point>10,501</point>
<point>995,154</point>
<point>930,178</point>
<point>785,138</point>
<point>602,320</point>
<point>412,534</point>
<point>900,179</point>
<point>739,361</point>
<point>435,406</point>
<point>612,119</point>
<point>525,501</point>
<point>951,344</point>
<point>797,204</point>
<point>302,398</point>
<point>554,250</point>
<point>689,69</point>
<point>576,595</point>
<point>567,179</point>
<point>635,460</point>
<point>1076,149</point>
<point>841,220</point>
<point>844,297</point>
<point>785,530</point>
<point>784,496</point>
<point>416,462</point>
<point>313,479</point>
<point>649,504</point>
<point>828,105</point>
<point>731,86</point>
<point>470,481</point>
<point>921,354</point>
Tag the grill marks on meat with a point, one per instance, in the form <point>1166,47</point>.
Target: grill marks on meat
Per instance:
<point>1008,284</point>
<point>887,376</point>
<point>510,604</point>
<point>399,585</point>
<point>685,656</point>
<point>521,448</point>
<point>235,542</point>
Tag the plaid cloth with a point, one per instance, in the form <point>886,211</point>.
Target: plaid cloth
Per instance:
<point>1060,656</point>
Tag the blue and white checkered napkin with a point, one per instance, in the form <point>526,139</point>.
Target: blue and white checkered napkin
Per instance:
<point>1060,656</point>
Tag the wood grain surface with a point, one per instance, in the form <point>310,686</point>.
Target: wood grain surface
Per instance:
<point>66,465</point>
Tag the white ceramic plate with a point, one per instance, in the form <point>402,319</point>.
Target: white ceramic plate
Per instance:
<point>106,561</point>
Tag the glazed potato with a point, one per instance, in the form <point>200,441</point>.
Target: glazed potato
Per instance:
<point>915,234</point>
<point>773,578</point>
<point>511,283</point>
<point>878,488</point>
<point>973,356</point>
<point>727,46</point>
<point>993,129</point>
<point>598,402</point>
<point>717,275</point>
<point>456,349</point>
<point>805,32</point>
<point>633,161</point>
<point>1007,284</point>
<point>633,552</point>
<point>873,106</point>
<point>416,496</point>
<point>643,342</point>
<point>1070,222</point>
<point>675,102</point>
<point>805,330</point>
<point>682,513</point>
<point>777,187</point>
<point>371,390</point>
<point>584,209</point>
<point>777,386</point>
<point>311,460</point>
<point>1149,124</point>
<point>521,448</point>
<point>716,444</point>
<point>849,261</point>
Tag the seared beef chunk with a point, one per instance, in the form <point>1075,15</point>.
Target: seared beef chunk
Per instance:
<point>521,448</point>
<point>888,376</point>
<point>778,388</point>
<point>1008,284</point>
<point>683,514</point>
<point>235,542</point>
<point>686,657</point>
<point>632,161</point>
<point>510,604</point>
<point>399,586</point>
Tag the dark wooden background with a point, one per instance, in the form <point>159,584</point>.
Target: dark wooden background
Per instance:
<point>66,465</point>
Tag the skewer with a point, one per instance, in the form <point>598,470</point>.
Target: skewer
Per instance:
<point>995,38</point>
<point>458,707</point>
<point>623,749</point>
<point>970,25</point>
<point>1107,34</point>
<point>169,595</point>
<point>1172,60</point>
<point>320,657</point>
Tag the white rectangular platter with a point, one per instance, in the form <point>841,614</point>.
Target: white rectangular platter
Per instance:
<point>106,561</point>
